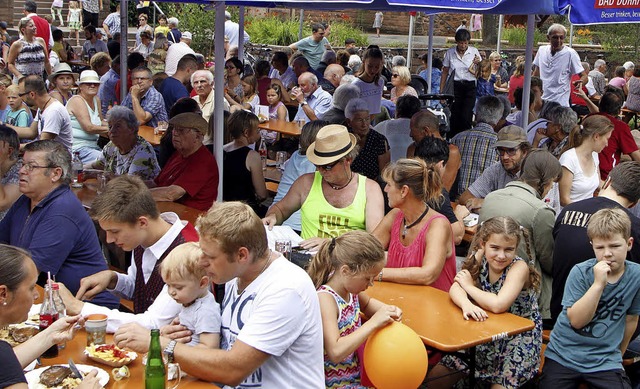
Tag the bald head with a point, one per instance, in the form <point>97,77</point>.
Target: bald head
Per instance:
<point>334,73</point>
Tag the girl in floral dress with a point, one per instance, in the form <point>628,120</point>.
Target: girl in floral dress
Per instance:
<point>74,20</point>
<point>342,270</point>
<point>494,279</point>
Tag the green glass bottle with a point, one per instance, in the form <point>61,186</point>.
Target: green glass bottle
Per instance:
<point>154,372</point>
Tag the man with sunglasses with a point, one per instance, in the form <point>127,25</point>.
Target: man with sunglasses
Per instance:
<point>334,199</point>
<point>555,64</point>
<point>512,147</point>
<point>52,120</point>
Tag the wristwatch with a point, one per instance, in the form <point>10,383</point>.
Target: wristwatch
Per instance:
<point>304,102</point>
<point>168,351</point>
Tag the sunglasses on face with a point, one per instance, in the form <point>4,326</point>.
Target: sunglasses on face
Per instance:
<point>395,75</point>
<point>329,166</point>
<point>510,152</point>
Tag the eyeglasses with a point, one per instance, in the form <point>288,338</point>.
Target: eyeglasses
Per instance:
<point>181,130</point>
<point>328,166</point>
<point>395,75</point>
<point>24,93</point>
<point>139,78</point>
<point>510,152</point>
<point>28,167</point>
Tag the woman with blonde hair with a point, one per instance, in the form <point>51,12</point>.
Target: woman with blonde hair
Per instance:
<point>418,239</point>
<point>400,79</point>
<point>517,79</point>
<point>502,78</point>
<point>579,160</point>
<point>29,54</point>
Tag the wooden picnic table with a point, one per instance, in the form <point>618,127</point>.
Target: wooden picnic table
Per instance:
<point>439,322</point>
<point>74,349</point>
<point>281,126</point>
<point>148,134</point>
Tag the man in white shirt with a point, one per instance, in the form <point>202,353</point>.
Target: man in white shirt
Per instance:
<point>313,101</point>
<point>232,30</point>
<point>128,214</point>
<point>555,64</point>
<point>271,323</point>
<point>52,121</point>
<point>176,51</point>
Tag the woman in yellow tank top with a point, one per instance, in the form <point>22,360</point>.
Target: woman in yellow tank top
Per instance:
<point>334,199</point>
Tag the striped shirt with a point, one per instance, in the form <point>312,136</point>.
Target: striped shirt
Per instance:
<point>478,151</point>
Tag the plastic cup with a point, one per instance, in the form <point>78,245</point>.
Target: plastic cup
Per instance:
<point>283,246</point>
<point>96,327</point>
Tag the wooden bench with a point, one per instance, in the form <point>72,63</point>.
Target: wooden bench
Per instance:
<point>628,115</point>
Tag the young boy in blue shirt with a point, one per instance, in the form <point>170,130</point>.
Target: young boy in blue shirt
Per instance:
<point>600,311</point>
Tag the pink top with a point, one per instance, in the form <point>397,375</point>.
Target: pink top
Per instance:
<point>412,256</point>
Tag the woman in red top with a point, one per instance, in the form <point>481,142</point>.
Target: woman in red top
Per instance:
<point>418,239</point>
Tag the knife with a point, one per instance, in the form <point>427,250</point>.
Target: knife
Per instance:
<point>75,370</point>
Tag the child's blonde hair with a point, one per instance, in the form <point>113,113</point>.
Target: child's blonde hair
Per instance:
<point>484,69</point>
<point>608,222</point>
<point>359,250</point>
<point>73,4</point>
<point>182,263</point>
<point>252,82</point>
<point>502,225</point>
<point>13,88</point>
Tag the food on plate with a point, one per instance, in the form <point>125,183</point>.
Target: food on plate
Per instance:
<point>16,334</point>
<point>58,377</point>
<point>110,354</point>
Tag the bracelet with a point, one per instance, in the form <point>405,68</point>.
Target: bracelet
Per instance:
<point>380,276</point>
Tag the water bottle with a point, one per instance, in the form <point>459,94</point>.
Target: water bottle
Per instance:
<point>263,153</point>
<point>60,307</point>
<point>154,372</point>
<point>76,167</point>
<point>48,315</point>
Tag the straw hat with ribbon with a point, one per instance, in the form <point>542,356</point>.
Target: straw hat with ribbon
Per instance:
<point>332,143</point>
<point>60,69</point>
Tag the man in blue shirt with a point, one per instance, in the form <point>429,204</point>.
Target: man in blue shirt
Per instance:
<point>108,81</point>
<point>313,101</point>
<point>145,101</point>
<point>50,222</point>
<point>172,88</point>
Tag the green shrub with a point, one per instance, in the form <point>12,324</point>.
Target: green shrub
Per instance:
<point>272,30</point>
<point>517,36</point>
<point>195,19</point>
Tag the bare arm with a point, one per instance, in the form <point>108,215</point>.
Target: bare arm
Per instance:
<point>282,112</point>
<point>443,77</point>
<point>469,309</point>
<point>497,303</point>
<point>583,310</point>
<point>635,155</point>
<point>77,107</point>
<point>458,227</point>
<point>254,164</point>
<point>564,186</point>
<point>14,50</point>
<point>208,340</point>
<point>629,328</point>
<point>384,160</point>
<point>8,195</point>
<point>167,193</point>
<point>383,230</point>
<point>30,132</point>
<point>291,202</point>
<point>451,168</point>
<point>374,209</point>
<point>437,249</point>
<point>142,115</point>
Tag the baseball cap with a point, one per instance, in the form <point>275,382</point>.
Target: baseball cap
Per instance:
<point>187,35</point>
<point>511,137</point>
<point>628,65</point>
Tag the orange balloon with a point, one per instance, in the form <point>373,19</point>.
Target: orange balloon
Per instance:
<point>395,358</point>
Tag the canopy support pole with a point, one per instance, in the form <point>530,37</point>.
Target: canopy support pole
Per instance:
<point>124,88</point>
<point>410,46</point>
<point>430,53</point>
<point>218,81</point>
<point>241,32</point>
<point>528,63</point>
<point>500,25</point>
<point>571,35</point>
<point>301,23</point>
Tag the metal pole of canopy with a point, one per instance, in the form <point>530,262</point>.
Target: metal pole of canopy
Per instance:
<point>124,34</point>
<point>528,62</point>
<point>218,80</point>
<point>241,32</point>
<point>571,35</point>
<point>500,25</point>
<point>300,26</point>
<point>430,52</point>
<point>410,46</point>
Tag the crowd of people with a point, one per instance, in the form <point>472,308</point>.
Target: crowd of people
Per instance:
<point>375,185</point>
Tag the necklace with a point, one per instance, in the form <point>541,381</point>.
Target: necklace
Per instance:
<point>406,227</point>
<point>46,104</point>
<point>337,187</point>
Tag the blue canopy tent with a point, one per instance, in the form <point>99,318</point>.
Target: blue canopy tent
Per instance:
<point>602,11</point>
<point>513,7</point>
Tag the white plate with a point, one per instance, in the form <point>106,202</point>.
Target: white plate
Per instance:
<point>33,377</point>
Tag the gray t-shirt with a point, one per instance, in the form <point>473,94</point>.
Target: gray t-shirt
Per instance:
<point>56,120</point>
<point>493,178</point>
<point>596,346</point>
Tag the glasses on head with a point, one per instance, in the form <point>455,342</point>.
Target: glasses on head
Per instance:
<point>395,75</point>
<point>28,167</point>
<point>328,166</point>
<point>510,152</point>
